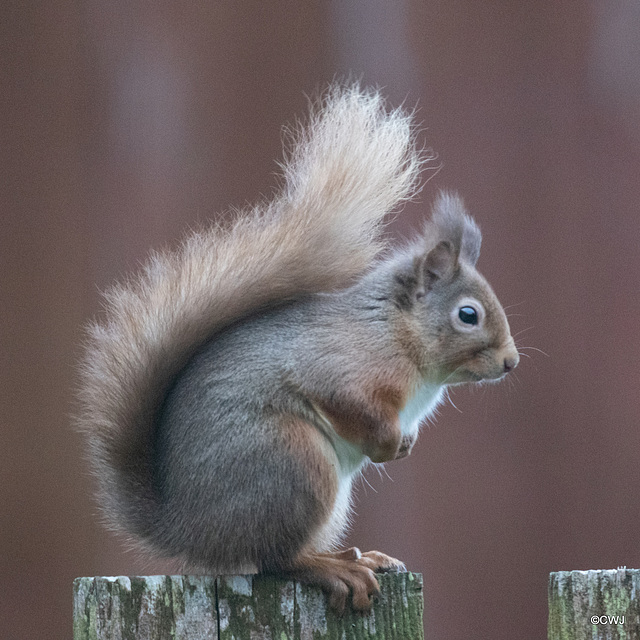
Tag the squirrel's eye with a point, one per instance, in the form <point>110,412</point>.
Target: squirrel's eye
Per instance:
<point>468,315</point>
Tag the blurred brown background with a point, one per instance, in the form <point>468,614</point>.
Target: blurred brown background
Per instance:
<point>124,122</point>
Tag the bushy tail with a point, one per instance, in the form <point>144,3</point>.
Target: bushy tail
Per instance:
<point>351,164</point>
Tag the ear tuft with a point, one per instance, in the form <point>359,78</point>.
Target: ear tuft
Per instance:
<point>453,224</point>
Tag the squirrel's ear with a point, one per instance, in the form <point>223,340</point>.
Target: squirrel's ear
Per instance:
<point>453,224</point>
<point>439,263</point>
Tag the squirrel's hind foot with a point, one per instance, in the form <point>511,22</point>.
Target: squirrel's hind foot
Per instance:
<point>345,572</point>
<point>381,562</point>
<point>374,560</point>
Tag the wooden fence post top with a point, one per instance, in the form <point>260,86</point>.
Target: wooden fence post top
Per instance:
<point>594,605</point>
<point>238,607</point>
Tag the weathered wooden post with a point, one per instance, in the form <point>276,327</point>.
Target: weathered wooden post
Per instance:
<point>237,607</point>
<point>594,605</point>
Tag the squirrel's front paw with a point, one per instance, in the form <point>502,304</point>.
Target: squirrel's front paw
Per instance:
<point>406,445</point>
<point>382,451</point>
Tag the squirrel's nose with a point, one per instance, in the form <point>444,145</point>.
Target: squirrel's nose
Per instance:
<point>511,363</point>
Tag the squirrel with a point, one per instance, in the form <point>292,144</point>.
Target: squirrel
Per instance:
<point>236,387</point>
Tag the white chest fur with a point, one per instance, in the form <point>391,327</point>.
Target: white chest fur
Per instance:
<point>420,405</point>
<point>349,459</point>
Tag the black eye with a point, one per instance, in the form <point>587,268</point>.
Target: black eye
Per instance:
<point>468,315</point>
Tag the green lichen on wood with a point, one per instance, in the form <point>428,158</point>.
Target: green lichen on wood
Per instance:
<point>260,606</point>
<point>575,597</point>
<point>396,613</point>
<point>151,607</point>
<point>255,607</point>
<point>238,607</point>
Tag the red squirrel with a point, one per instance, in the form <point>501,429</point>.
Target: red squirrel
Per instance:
<point>236,387</point>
